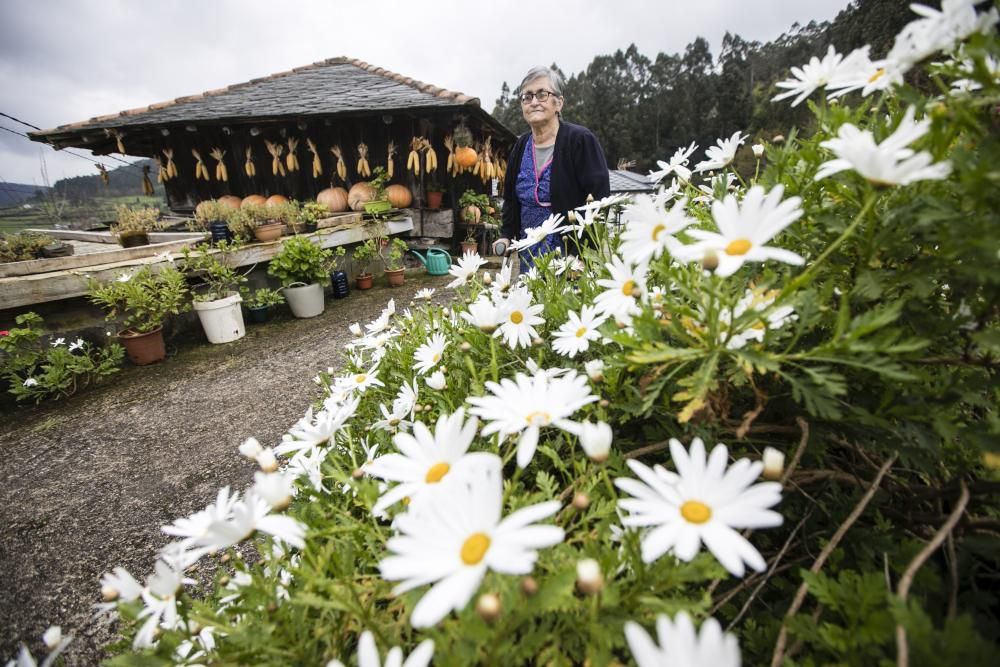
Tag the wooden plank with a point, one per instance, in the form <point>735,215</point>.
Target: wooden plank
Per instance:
<point>26,290</point>
<point>107,237</point>
<point>90,259</point>
<point>353,218</point>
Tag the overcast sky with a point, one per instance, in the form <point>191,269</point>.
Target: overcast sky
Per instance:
<point>63,61</point>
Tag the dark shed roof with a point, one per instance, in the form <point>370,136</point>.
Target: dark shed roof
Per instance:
<point>628,181</point>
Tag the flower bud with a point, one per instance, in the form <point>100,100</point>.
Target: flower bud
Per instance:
<point>596,440</point>
<point>588,576</point>
<point>710,262</point>
<point>778,139</point>
<point>537,341</point>
<point>436,381</point>
<point>226,557</point>
<point>488,607</point>
<point>109,593</point>
<point>251,448</point>
<point>355,329</point>
<point>465,346</point>
<point>52,637</point>
<point>774,463</point>
<point>267,461</point>
<point>581,501</point>
<point>487,278</point>
<point>758,150</point>
<point>529,586</point>
<point>594,370</point>
<point>223,580</point>
<point>358,473</point>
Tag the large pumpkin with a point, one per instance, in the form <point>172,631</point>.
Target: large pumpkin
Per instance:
<point>465,156</point>
<point>232,201</point>
<point>276,200</point>
<point>399,195</point>
<point>334,199</point>
<point>253,200</point>
<point>359,194</point>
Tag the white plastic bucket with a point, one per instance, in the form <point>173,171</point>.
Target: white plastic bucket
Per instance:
<point>306,300</point>
<point>221,319</point>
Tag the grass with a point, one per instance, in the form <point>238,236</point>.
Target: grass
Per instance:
<point>100,209</point>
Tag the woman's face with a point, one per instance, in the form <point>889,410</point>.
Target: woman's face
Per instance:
<point>535,111</point>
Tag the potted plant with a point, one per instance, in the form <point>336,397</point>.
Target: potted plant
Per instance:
<point>218,299</point>
<point>311,213</point>
<point>143,300</point>
<point>214,216</point>
<point>363,255</point>
<point>379,202</point>
<point>134,224</point>
<point>264,224</point>
<point>259,302</point>
<point>434,192</point>
<point>392,257</point>
<point>302,266</point>
<point>338,277</point>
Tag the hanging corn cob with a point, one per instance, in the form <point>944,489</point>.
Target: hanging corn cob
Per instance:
<point>341,165</point>
<point>248,166</point>
<point>317,163</point>
<point>221,173</point>
<point>200,170</point>
<point>487,171</point>
<point>450,166</point>
<point>118,140</point>
<point>171,167</point>
<point>161,173</point>
<point>413,159</point>
<point>363,168</point>
<point>291,159</point>
<point>147,185</point>
<point>391,152</point>
<point>104,174</point>
<point>275,149</point>
<point>430,157</point>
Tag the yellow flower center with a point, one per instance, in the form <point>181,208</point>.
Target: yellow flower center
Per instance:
<point>656,230</point>
<point>696,512</point>
<point>436,358</point>
<point>474,549</point>
<point>436,472</point>
<point>739,247</point>
<point>628,287</point>
<point>539,419</point>
<point>360,379</point>
<point>516,317</point>
<point>877,75</point>
<point>581,331</point>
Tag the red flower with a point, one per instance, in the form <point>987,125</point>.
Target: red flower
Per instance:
<point>4,333</point>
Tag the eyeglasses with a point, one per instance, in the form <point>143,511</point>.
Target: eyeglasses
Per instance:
<point>541,96</point>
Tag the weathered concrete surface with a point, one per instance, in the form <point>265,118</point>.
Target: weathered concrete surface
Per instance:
<point>86,484</point>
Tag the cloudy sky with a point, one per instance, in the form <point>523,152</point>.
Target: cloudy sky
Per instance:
<point>63,61</point>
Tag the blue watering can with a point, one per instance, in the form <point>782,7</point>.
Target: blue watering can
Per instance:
<point>436,260</point>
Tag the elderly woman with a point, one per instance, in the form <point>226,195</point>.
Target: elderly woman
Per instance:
<point>551,169</point>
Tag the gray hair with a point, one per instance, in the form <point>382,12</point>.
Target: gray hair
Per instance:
<point>541,71</point>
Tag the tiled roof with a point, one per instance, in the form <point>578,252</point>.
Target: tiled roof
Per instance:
<point>332,86</point>
<point>628,181</point>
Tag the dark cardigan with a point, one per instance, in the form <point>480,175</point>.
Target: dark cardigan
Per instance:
<point>578,169</point>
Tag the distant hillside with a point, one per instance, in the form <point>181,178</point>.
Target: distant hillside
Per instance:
<point>13,194</point>
<point>126,180</point>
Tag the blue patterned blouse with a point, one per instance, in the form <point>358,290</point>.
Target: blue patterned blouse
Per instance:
<point>533,193</point>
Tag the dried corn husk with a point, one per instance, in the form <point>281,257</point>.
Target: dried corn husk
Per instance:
<point>275,149</point>
<point>317,164</point>
<point>363,168</point>
<point>221,173</point>
<point>171,167</point>
<point>248,167</point>
<point>341,165</point>
<point>291,159</point>
<point>200,170</point>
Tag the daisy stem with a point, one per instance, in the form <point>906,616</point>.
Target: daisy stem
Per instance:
<point>607,481</point>
<point>513,483</point>
<point>804,277</point>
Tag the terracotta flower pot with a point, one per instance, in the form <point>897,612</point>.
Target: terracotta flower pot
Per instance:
<point>268,232</point>
<point>364,281</point>
<point>396,277</point>
<point>434,200</point>
<point>144,348</point>
<point>469,247</point>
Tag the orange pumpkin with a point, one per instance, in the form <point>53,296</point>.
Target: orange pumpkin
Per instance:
<point>276,200</point>
<point>399,195</point>
<point>201,207</point>
<point>359,194</point>
<point>466,156</point>
<point>335,199</point>
<point>472,214</point>
<point>232,201</point>
<point>253,200</point>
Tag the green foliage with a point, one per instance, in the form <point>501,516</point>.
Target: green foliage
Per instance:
<point>213,266</point>
<point>142,300</point>
<point>22,246</point>
<point>300,260</point>
<point>261,298</point>
<point>136,219</point>
<point>364,254</point>
<point>39,371</point>
<point>392,254</point>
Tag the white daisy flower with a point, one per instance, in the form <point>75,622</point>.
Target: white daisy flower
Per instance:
<point>624,290</point>
<point>425,293</point>
<point>57,342</point>
<point>355,329</point>
<point>650,229</point>
<point>30,382</point>
<point>458,535</point>
<point>368,654</point>
<point>990,64</point>
<point>939,29</point>
<point>429,354</point>
<point>425,458</point>
<point>466,267</point>
<point>594,369</point>
<point>744,229</point>
<point>812,76</point>
<point>379,324</point>
<point>248,515</point>
<point>576,334</point>
<point>360,382</point>
<point>758,150</point>
<point>76,345</point>
<point>595,439</point>
<point>681,646</point>
<point>677,165</point>
<point>518,318</point>
<point>483,314</point>
<point>756,301</point>
<point>160,599</point>
<point>406,398</point>
<point>503,281</point>
<point>275,488</point>
<point>722,153</point>
<point>437,381</point>
<point>535,235</point>
<point>195,527</point>
<point>702,502</point>
<point>317,431</point>
<point>722,182</point>
<point>888,163</point>
<point>393,420</point>
<point>527,404</point>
